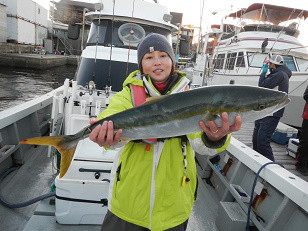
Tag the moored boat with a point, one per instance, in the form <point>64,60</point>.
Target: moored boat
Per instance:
<point>236,54</point>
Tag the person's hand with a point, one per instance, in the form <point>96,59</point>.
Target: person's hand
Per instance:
<point>103,134</point>
<point>215,133</point>
<point>264,68</point>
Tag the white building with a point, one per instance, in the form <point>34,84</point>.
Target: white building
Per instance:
<point>26,22</point>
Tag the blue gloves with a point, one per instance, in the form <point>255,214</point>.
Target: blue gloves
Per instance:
<point>264,68</point>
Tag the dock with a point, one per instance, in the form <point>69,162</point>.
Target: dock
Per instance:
<point>36,61</point>
<point>279,151</point>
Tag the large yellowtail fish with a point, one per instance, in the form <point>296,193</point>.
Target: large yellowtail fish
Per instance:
<point>177,114</point>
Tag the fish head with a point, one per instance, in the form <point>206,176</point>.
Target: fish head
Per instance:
<point>263,102</point>
<point>250,102</point>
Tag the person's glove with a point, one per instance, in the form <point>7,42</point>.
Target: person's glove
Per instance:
<point>264,68</point>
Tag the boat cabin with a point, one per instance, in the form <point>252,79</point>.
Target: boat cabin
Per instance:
<point>243,49</point>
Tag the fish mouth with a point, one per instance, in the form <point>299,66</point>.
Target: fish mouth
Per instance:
<point>283,102</point>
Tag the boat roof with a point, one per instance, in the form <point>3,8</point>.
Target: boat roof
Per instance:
<point>269,13</point>
<point>139,11</point>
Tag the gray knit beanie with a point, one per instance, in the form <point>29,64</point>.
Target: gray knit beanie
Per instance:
<point>154,42</point>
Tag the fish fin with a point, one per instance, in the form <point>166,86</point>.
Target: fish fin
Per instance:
<point>125,140</point>
<point>66,160</point>
<point>154,98</point>
<point>66,153</point>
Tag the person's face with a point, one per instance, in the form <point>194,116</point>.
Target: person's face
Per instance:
<point>272,66</point>
<point>158,65</point>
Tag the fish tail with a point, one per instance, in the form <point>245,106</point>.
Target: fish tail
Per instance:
<point>66,151</point>
<point>45,140</point>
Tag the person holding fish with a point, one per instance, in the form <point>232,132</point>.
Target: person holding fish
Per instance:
<point>153,183</point>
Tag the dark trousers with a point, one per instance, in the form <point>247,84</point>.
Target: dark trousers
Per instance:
<point>263,131</point>
<point>114,223</point>
<point>302,151</point>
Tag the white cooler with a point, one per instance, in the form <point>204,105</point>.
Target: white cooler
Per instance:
<point>292,147</point>
<point>81,194</point>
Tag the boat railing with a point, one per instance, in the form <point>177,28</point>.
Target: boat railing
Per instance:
<point>289,30</point>
<point>26,120</point>
<point>279,201</point>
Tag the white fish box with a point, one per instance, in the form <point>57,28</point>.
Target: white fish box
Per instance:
<point>20,31</point>
<point>283,133</point>
<point>292,147</point>
<point>27,22</point>
<point>41,15</point>
<point>2,23</point>
<point>41,34</point>
<point>81,194</point>
<point>28,10</point>
<point>81,201</point>
<point>22,8</point>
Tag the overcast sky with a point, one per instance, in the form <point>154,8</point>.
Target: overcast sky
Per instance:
<point>191,10</point>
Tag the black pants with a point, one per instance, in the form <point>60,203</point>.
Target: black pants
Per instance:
<point>302,151</point>
<point>114,223</point>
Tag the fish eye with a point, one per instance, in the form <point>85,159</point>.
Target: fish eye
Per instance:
<point>260,107</point>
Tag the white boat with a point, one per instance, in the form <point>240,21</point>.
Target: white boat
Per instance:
<point>280,201</point>
<point>110,57</point>
<point>236,55</point>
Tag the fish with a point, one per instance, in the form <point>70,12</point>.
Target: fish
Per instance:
<point>176,115</point>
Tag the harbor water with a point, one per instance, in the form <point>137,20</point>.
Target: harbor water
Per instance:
<point>20,85</point>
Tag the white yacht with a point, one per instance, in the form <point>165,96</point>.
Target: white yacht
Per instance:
<point>235,52</point>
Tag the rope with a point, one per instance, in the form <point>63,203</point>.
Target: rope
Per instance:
<point>298,86</point>
<point>21,204</point>
<point>253,189</point>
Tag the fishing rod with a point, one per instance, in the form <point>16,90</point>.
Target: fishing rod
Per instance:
<point>96,45</point>
<point>112,26</point>
<point>130,35</point>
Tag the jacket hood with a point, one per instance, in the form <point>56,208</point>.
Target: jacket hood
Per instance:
<point>135,78</point>
<point>283,68</point>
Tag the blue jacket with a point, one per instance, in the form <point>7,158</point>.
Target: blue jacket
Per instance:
<point>279,79</point>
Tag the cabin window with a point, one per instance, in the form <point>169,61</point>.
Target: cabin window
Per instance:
<point>219,61</point>
<point>256,60</point>
<point>230,61</point>
<point>97,32</point>
<point>302,64</point>
<point>105,33</point>
<point>240,62</point>
<point>289,62</point>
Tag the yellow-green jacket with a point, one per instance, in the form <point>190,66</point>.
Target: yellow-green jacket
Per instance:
<point>146,186</point>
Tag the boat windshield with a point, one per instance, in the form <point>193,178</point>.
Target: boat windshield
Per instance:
<point>257,60</point>
<point>124,34</point>
<point>302,64</point>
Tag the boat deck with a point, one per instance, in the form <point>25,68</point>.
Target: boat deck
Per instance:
<point>35,177</point>
<point>279,151</point>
